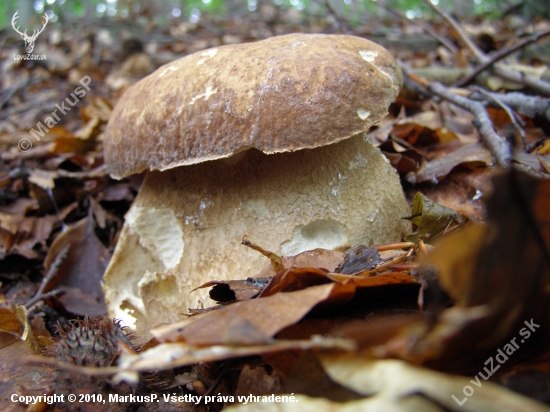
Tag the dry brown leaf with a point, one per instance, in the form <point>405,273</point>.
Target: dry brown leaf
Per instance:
<point>472,155</point>
<point>9,322</point>
<point>463,190</point>
<point>82,269</point>
<point>497,274</point>
<point>299,278</point>
<point>19,234</point>
<point>19,377</point>
<point>403,160</point>
<point>172,355</point>
<point>319,258</point>
<point>249,322</point>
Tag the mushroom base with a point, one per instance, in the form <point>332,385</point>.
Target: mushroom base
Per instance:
<point>186,225</point>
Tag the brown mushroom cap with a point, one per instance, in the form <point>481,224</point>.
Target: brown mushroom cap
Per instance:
<point>281,94</point>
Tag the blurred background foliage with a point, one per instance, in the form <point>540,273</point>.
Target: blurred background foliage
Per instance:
<point>163,11</point>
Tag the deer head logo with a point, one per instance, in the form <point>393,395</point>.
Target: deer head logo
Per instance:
<point>29,40</point>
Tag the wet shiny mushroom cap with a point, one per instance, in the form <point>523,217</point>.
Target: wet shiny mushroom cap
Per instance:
<point>281,94</point>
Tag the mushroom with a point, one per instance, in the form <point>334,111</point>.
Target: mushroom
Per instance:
<point>265,139</point>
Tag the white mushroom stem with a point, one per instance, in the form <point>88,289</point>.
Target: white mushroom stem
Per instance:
<point>186,225</point>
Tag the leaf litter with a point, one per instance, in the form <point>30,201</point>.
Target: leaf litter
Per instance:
<point>372,328</point>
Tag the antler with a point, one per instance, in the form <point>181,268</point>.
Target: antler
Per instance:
<point>24,35</point>
<point>35,33</point>
<point>15,16</point>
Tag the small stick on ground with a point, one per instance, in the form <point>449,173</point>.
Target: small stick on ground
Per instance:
<point>537,85</point>
<point>497,144</point>
<point>479,55</point>
<point>511,114</point>
<point>499,55</point>
<point>530,106</point>
<point>40,295</point>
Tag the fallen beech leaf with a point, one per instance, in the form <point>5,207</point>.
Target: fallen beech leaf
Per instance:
<point>171,355</point>
<point>320,258</point>
<point>292,279</point>
<point>432,219</point>
<point>383,279</point>
<point>301,278</point>
<point>463,190</point>
<point>530,161</point>
<point>19,377</point>
<point>20,207</point>
<point>9,322</point>
<point>358,259</point>
<point>247,322</point>
<point>498,275</point>
<point>97,107</point>
<point>420,129</point>
<point>28,335</point>
<point>306,403</point>
<point>472,155</point>
<point>393,381</point>
<point>82,269</point>
<point>19,234</point>
<point>17,324</point>
<point>516,240</point>
<point>545,162</point>
<point>403,158</point>
<point>304,374</point>
<point>70,144</point>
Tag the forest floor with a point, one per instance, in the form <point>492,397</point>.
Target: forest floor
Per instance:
<point>470,131</point>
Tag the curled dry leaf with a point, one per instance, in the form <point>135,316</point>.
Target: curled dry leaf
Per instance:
<point>432,219</point>
<point>172,355</point>
<point>20,235</point>
<point>249,322</point>
<point>497,274</point>
<point>472,155</point>
<point>394,381</point>
<point>358,259</point>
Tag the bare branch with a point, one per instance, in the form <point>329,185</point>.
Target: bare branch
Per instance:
<point>528,105</point>
<point>479,55</point>
<point>538,85</point>
<point>499,55</point>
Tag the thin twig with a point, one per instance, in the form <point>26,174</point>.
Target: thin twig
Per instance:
<point>39,295</point>
<point>497,144</point>
<point>511,113</point>
<point>499,55</point>
<point>537,85</point>
<point>530,106</point>
<point>479,55</point>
